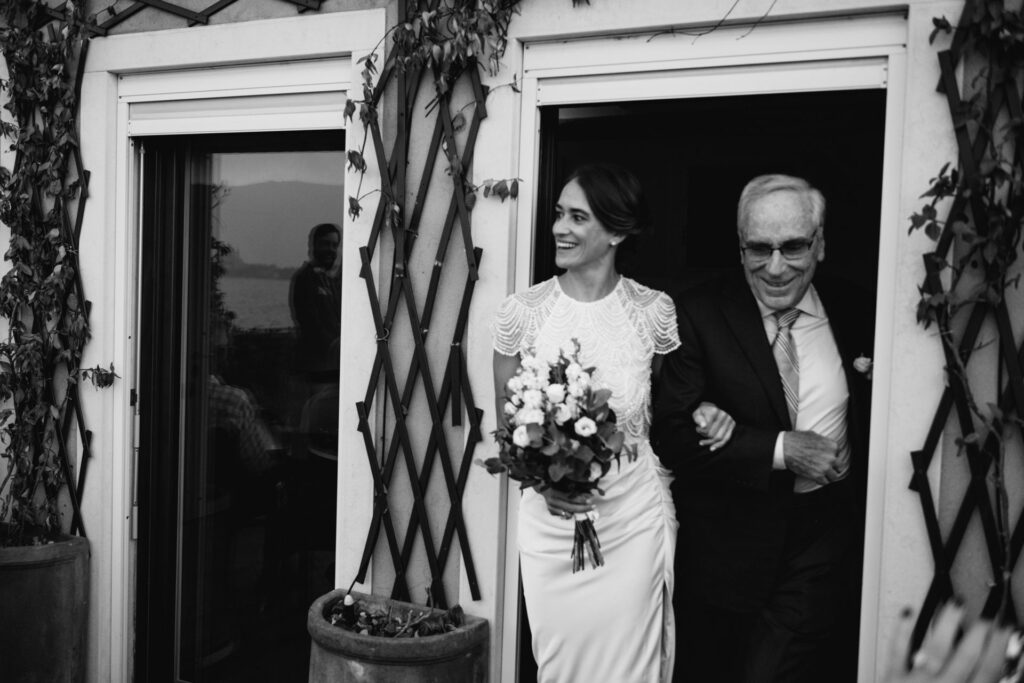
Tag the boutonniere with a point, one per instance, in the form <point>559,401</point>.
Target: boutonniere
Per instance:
<point>863,365</point>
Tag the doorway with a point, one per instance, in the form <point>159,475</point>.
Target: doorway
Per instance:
<point>693,156</point>
<point>239,320</point>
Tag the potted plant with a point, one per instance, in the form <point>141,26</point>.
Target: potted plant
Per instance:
<point>359,637</point>
<point>44,557</point>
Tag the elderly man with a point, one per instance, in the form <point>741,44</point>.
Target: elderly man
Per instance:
<point>768,559</point>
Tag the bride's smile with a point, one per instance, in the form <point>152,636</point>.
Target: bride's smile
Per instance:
<point>582,243</point>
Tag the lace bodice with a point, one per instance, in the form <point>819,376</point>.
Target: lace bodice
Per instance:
<point>618,334</point>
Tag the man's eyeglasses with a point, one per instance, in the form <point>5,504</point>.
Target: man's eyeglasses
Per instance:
<point>791,250</point>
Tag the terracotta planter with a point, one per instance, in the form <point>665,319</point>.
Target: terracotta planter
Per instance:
<point>44,594</point>
<point>341,656</point>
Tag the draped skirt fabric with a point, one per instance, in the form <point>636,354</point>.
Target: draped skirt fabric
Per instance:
<point>610,623</point>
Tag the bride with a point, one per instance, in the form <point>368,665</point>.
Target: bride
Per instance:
<point>612,623</point>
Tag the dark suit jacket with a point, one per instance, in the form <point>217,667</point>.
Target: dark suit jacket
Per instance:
<point>731,504</point>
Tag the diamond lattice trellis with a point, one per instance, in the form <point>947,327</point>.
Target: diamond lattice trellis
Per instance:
<point>119,12</point>
<point>974,144</point>
<point>455,389</point>
<point>71,420</point>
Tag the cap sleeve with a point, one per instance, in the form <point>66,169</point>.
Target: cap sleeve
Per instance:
<point>661,319</point>
<point>509,326</point>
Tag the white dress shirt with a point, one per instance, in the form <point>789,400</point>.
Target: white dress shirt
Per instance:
<point>823,391</point>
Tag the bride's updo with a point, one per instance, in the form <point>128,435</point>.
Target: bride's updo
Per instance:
<point>615,196</point>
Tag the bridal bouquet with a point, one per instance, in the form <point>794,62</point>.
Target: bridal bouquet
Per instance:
<point>560,433</point>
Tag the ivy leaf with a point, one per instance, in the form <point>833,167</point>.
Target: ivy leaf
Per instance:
<point>501,189</point>
<point>354,209</point>
<point>459,122</point>
<point>941,25</point>
<point>350,109</point>
<point>933,231</point>
<point>356,161</point>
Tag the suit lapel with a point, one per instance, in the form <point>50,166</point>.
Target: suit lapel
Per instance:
<point>744,319</point>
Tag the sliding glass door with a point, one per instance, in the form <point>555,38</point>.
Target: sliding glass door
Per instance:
<point>240,316</point>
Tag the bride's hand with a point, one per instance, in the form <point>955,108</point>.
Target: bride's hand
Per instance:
<point>714,424</point>
<point>565,506</point>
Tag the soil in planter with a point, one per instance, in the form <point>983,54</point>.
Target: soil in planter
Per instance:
<point>356,616</point>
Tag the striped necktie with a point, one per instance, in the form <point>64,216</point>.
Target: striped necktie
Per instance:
<point>785,356</point>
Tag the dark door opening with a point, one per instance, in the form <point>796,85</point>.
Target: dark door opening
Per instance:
<point>238,401</point>
<point>693,157</point>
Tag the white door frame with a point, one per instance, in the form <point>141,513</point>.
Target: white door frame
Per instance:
<point>798,56</point>
<point>268,75</point>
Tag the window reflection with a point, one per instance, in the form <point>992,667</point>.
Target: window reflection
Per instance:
<point>258,545</point>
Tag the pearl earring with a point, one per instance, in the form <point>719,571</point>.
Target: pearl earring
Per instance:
<point>612,242</point>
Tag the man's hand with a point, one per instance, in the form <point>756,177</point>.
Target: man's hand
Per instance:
<point>810,455</point>
<point>714,424</point>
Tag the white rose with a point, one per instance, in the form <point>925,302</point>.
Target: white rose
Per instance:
<point>515,385</point>
<point>585,427</point>
<point>530,416</point>
<point>510,409</point>
<point>533,398</point>
<point>536,365</point>
<point>573,370</point>
<point>537,382</point>
<point>576,389</point>
<point>555,392</point>
<point>563,414</point>
<point>569,349</point>
<point>521,436</point>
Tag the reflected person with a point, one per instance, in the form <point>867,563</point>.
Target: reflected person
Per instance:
<point>315,301</point>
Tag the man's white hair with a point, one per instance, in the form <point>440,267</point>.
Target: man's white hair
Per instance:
<point>764,185</point>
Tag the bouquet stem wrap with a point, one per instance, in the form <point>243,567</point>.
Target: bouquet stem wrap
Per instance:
<point>585,540</point>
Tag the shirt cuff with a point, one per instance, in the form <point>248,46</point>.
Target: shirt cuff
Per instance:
<point>779,458</point>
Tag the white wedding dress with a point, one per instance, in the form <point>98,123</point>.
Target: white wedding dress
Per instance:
<point>610,623</point>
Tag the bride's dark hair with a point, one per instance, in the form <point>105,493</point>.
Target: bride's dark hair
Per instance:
<point>615,196</point>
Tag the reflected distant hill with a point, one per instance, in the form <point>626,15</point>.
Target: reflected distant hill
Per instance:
<point>268,224</point>
<point>234,266</point>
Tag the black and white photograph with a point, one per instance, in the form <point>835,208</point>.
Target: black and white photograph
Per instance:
<point>511,341</point>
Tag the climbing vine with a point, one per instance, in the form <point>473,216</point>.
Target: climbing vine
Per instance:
<point>974,212</point>
<point>447,40</point>
<point>40,294</point>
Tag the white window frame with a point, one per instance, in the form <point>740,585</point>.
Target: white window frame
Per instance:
<point>797,56</point>
<point>267,75</point>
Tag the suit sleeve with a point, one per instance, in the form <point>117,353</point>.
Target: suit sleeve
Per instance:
<point>686,380</point>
